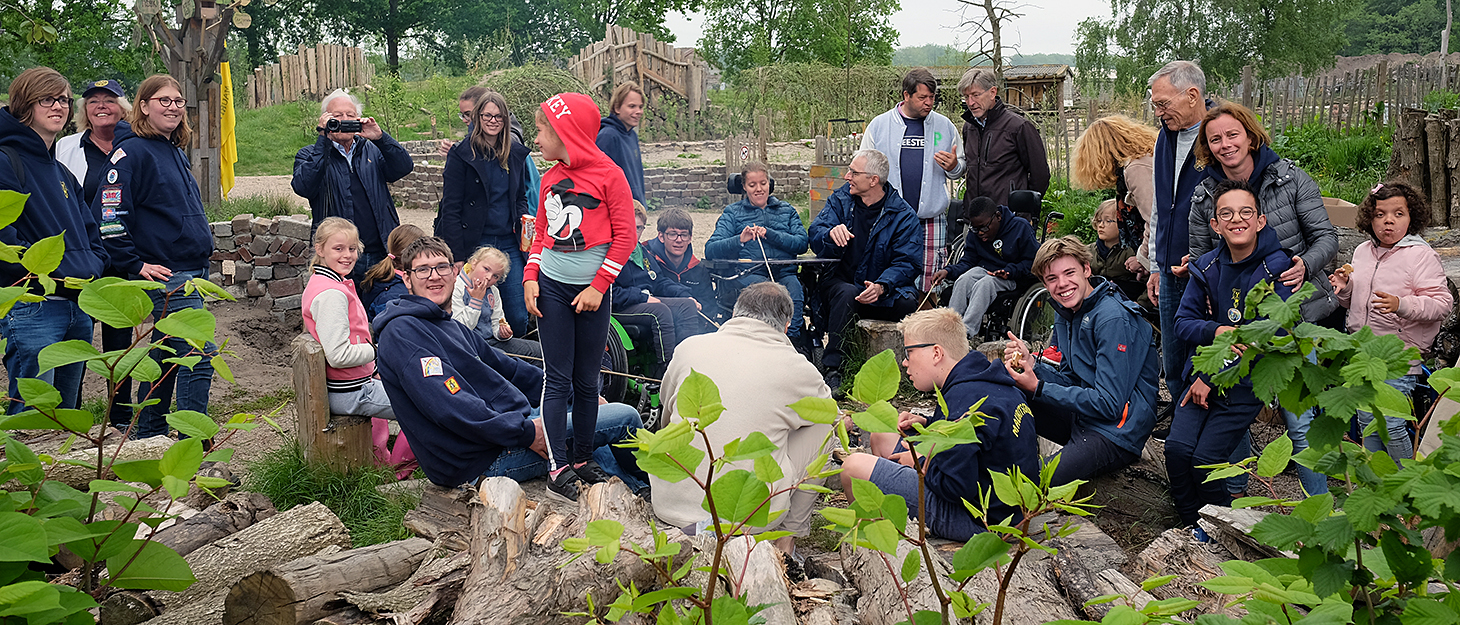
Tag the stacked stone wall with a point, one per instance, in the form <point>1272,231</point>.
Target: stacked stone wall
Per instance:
<point>264,261</point>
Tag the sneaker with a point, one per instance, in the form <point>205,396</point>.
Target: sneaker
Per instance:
<point>564,487</point>
<point>1200,535</point>
<point>834,380</point>
<point>591,473</point>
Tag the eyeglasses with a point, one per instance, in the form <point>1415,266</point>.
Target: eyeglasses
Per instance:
<point>50,101</point>
<point>166,102</point>
<point>640,229</point>
<point>492,118</point>
<point>1230,216</point>
<point>676,236</point>
<point>444,270</point>
<point>908,348</point>
<point>465,116</point>
<point>857,173</point>
<point>1161,106</point>
<point>993,223</point>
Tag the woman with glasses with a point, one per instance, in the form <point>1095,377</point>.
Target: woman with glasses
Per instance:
<point>1232,145</point>
<point>484,197</point>
<point>40,106</point>
<point>1118,151</point>
<point>154,228</point>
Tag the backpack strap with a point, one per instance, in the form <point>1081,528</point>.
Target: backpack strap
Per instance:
<point>15,164</point>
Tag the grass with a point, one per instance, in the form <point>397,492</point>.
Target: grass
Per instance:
<point>257,205</point>
<point>288,480</point>
<point>269,137</point>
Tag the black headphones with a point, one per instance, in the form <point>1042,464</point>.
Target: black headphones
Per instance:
<point>736,185</point>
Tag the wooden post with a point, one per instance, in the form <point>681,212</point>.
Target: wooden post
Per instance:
<point>1383,92</point>
<point>1437,143</point>
<point>1452,172</point>
<point>762,132</point>
<point>339,440</point>
<point>1247,86</point>
<point>1409,145</point>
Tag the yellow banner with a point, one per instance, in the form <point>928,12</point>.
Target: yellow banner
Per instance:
<point>229,146</point>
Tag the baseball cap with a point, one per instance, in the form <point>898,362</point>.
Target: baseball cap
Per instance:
<point>110,86</point>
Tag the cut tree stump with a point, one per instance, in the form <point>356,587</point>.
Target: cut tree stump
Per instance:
<point>341,441</point>
<point>301,531</point>
<point>758,574</point>
<point>1033,598</point>
<point>304,590</point>
<point>234,513</point>
<point>519,570</point>
<point>882,335</point>
<point>1175,552</point>
<point>444,514</point>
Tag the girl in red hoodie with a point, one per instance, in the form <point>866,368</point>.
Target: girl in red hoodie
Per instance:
<point>583,236</point>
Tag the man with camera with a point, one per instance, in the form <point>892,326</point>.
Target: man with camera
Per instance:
<point>345,173</point>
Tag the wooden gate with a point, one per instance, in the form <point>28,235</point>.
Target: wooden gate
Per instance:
<point>661,69</point>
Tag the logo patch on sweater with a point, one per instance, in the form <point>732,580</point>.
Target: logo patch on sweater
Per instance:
<point>430,366</point>
<point>452,386</point>
<point>1019,414</point>
<point>1120,347</point>
<point>111,176</point>
<point>118,154</point>
<point>111,197</point>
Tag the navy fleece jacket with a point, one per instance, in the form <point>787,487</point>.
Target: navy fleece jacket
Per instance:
<point>1173,205</point>
<point>54,206</point>
<point>1107,375</point>
<point>621,144</point>
<point>322,176</point>
<point>1005,440</point>
<point>1220,285</point>
<point>467,212</point>
<point>894,249</point>
<point>153,213</point>
<point>785,236</point>
<point>687,278</point>
<point>459,401</point>
<point>1012,250</point>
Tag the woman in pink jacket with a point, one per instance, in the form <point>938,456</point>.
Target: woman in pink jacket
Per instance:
<point>1396,287</point>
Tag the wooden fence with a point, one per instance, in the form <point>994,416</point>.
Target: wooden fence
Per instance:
<point>660,69</point>
<point>310,75</point>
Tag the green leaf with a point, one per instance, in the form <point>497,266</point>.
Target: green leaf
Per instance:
<point>894,507</point>
<point>113,538</point>
<point>880,417</point>
<point>1157,582</point>
<point>768,470</point>
<point>39,394</point>
<point>221,367</point>
<point>1425,611</point>
<point>980,552</point>
<point>1229,585</point>
<point>66,529</point>
<point>604,534</point>
<point>662,465</point>
<point>190,324</point>
<point>156,567</point>
<point>1411,564</point>
<point>1282,531</point>
<point>1334,533</point>
<point>25,539</point>
<point>1275,457</point>
<point>964,606</point>
<point>68,419</point>
<point>739,497</point>
<point>698,399</point>
<point>115,302</point>
<point>146,471</point>
<point>193,423</point>
<point>27,598</point>
<point>1435,491</point>
<point>65,353</point>
<point>882,536</point>
<point>1339,400</point>
<point>1443,379</point>
<point>1391,402</point>
<point>1314,509</point>
<point>17,454</point>
<point>1365,368</point>
<point>867,498</point>
<point>1273,373</point>
<point>44,256</point>
<point>754,445</point>
<point>911,565</point>
<point>877,381</point>
<point>821,410</point>
<point>842,517</point>
<point>182,460</point>
<point>927,617</point>
<point>11,204</point>
<point>1124,615</point>
<point>1364,507</point>
<point>1331,576</point>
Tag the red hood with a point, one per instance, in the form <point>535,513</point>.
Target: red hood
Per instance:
<point>575,117</point>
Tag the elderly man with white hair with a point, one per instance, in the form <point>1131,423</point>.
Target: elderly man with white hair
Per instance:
<point>1002,147</point>
<point>879,240</point>
<point>344,174</point>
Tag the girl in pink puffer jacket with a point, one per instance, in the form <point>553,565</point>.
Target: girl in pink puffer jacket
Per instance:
<point>1395,285</point>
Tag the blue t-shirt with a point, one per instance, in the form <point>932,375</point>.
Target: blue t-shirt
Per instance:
<point>912,160</point>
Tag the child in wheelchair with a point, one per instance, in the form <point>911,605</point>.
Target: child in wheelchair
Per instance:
<point>995,259</point>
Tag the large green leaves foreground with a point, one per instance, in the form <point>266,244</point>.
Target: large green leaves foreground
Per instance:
<point>39,514</point>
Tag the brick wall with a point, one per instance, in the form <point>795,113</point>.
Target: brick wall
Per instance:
<point>683,187</point>
<point>262,261</point>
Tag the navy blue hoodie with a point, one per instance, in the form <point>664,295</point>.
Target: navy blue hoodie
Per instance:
<point>1107,375</point>
<point>1012,250</point>
<point>1220,286</point>
<point>55,206</point>
<point>152,213</point>
<point>621,144</point>
<point>1005,440</point>
<point>459,401</point>
<point>687,278</point>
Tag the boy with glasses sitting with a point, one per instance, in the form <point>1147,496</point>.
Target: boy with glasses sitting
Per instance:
<point>646,298</point>
<point>671,260</point>
<point>995,259</point>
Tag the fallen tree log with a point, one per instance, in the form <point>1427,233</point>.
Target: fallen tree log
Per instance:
<point>1175,552</point>
<point>519,570</point>
<point>758,574</point>
<point>80,477</point>
<point>234,513</point>
<point>880,603</point>
<point>301,531</point>
<point>441,567</point>
<point>1086,564</point>
<point>442,515</point>
<point>303,590</point>
<point>1232,528</point>
<point>1033,596</point>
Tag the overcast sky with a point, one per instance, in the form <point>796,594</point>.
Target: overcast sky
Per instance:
<point>1047,27</point>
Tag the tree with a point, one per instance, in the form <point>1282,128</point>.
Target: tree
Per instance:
<point>741,34</point>
<point>84,40</point>
<point>1404,26</point>
<point>1276,37</point>
<point>278,27</point>
<point>987,27</point>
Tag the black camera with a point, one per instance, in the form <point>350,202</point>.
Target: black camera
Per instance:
<point>344,125</point>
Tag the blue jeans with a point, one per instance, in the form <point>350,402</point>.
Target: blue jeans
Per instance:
<point>514,303</point>
<point>1399,446</point>
<point>31,327</point>
<point>798,298</point>
<point>615,423</point>
<point>362,265</point>
<point>192,384</point>
<point>113,339</point>
<point>1174,351</point>
<point>1313,483</point>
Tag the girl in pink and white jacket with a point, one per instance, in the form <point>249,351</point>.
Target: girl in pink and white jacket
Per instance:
<point>334,316</point>
<point>1397,286</point>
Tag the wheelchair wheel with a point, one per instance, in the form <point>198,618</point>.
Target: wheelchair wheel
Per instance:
<point>1034,318</point>
<point>615,358</point>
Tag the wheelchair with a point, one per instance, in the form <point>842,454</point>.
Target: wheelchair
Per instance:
<point>620,377</point>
